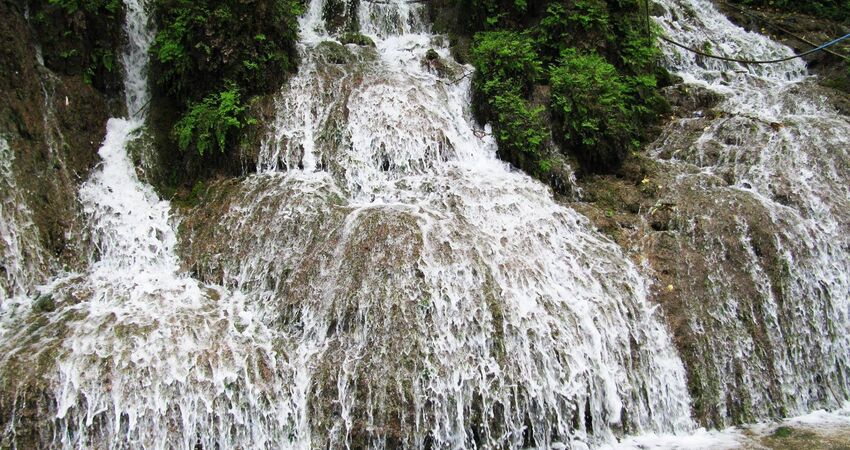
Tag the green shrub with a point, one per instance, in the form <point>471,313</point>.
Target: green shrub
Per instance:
<point>507,68</point>
<point>504,58</point>
<point>211,124</point>
<point>519,128</point>
<point>590,106</point>
<point>584,23</point>
<point>206,58</point>
<point>599,58</point>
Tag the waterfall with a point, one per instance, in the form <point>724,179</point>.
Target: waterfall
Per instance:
<point>770,166</point>
<point>428,294</point>
<point>384,280</point>
<point>133,352</point>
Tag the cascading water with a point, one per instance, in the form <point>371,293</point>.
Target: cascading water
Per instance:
<point>770,169</point>
<point>386,280</point>
<point>426,294</point>
<point>132,353</point>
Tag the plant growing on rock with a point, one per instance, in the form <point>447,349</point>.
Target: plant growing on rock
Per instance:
<point>589,104</point>
<point>211,123</point>
<point>200,43</point>
<point>209,60</point>
<point>81,37</point>
<point>584,71</point>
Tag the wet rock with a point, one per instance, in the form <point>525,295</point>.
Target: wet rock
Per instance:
<point>356,39</point>
<point>334,52</point>
<point>687,99</point>
<point>44,304</point>
<point>53,125</point>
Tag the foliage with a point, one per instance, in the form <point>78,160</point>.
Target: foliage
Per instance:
<point>206,58</point>
<point>80,37</point>
<point>600,60</point>
<point>212,123</point>
<point>200,43</point>
<point>590,105</point>
<point>504,59</point>
<point>519,128</point>
<point>564,21</point>
<point>90,6</point>
<point>507,68</point>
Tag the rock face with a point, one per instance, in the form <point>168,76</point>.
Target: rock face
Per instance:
<point>50,129</point>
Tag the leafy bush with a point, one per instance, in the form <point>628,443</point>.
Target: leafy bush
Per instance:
<point>212,123</point>
<point>504,58</point>
<point>583,23</point>
<point>507,68</point>
<point>519,128</point>
<point>590,105</point>
<point>206,58</point>
<point>601,104</point>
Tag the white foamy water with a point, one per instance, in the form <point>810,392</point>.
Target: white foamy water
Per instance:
<point>19,248</point>
<point>134,352</point>
<point>818,424</point>
<point>778,144</point>
<point>521,325</point>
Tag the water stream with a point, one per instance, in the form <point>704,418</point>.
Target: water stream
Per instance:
<point>771,169</point>
<point>401,269</point>
<point>384,280</point>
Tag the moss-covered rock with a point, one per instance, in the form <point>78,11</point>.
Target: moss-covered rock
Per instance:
<point>53,125</point>
<point>356,39</point>
<point>81,38</point>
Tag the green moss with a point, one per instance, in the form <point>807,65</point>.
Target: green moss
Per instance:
<point>44,303</point>
<point>782,432</point>
<point>334,52</point>
<point>357,39</point>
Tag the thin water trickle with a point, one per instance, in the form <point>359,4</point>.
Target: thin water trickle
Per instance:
<point>23,264</point>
